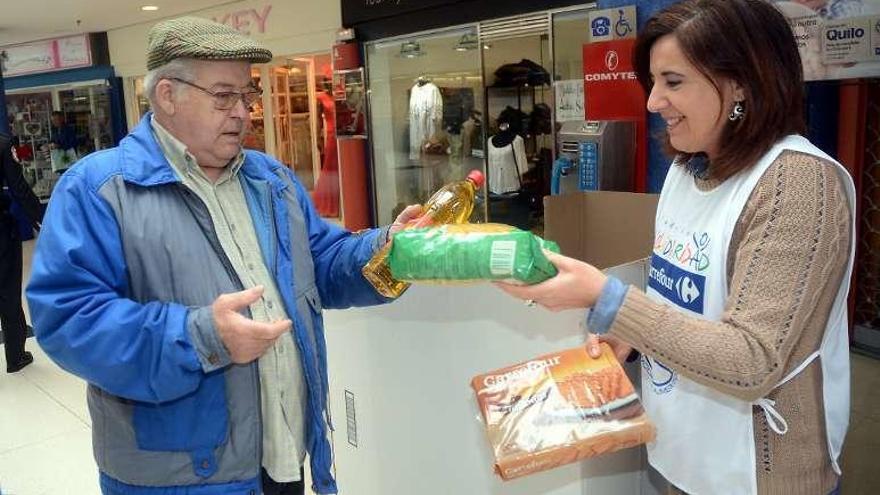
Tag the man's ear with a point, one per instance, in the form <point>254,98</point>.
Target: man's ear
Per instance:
<point>165,97</point>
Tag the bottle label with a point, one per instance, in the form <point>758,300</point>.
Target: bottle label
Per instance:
<point>444,197</point>
<point>427,218</point>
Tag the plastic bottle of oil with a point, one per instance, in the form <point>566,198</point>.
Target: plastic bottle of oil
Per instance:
<point>452,203</point>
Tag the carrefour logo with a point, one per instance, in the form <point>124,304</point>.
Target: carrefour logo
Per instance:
<point>687,290</point>
<point>681,287</point>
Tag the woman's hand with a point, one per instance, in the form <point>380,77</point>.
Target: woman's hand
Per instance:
<point>620,349</point>
<point>576,286</point>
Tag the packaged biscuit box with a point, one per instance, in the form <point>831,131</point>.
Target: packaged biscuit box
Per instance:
<point>557,409</point>
<point>471,252</point>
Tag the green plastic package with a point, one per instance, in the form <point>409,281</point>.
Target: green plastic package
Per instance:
<point>470,252</point>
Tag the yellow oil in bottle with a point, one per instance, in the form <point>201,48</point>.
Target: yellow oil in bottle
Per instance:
<point>451,204</point>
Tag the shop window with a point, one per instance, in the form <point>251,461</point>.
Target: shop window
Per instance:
<point>570,33</point>
<point>300,125</point>
<point>31,120</point>
<point>295,142</point>
<point>54,128</point>
<point>519,144</point>
<point>255,137</point>
<point>426,100</point>
<point>87,111</point>
<point>143,104</point>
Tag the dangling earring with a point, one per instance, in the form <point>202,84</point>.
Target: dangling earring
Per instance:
<point>737,113</point>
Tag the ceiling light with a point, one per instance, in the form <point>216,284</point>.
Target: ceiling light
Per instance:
<point>467,42</point>
<point>149,8</point>
<point>411,49</point>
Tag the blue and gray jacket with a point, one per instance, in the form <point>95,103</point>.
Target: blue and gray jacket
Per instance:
<point>125,271</point>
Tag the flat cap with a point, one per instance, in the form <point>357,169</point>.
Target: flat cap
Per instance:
<point>194,37</point>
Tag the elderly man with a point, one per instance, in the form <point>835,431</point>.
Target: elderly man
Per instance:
<point>184,278</point>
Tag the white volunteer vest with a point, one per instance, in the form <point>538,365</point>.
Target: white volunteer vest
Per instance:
<point>705,439</point>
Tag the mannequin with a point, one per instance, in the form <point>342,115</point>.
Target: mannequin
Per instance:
<point>327,189</point>
<point>469,131</point>
<point>425,114</point>
<point>507,160</point>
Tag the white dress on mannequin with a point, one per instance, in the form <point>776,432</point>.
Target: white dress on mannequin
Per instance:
<point>425,115</point>
<point>506,166</point>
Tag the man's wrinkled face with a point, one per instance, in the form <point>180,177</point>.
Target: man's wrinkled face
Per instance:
<point>213,135</point>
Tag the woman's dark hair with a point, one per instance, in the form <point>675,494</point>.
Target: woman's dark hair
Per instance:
<point>746,41</point>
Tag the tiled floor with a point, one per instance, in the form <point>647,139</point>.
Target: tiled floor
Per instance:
<point>861,454</point>
<point>45,433</point>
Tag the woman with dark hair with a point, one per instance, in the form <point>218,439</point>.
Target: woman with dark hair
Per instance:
<point>743,328</point>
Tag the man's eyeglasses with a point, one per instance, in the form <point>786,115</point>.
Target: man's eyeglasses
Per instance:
<point>225,100</point>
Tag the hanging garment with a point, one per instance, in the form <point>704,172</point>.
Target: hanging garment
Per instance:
<point>434,162</point>
<point>522,73</point>
<point>468,132</point>
<point>705,439</point>
<point>326,194</point>
<point>425,115</point>
<point>507,163</point>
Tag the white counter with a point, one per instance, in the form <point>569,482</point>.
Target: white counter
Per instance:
<point>408,367</point>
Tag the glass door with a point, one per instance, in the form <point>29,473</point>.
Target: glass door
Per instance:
<point>519,141</point>
<point>87,111</point>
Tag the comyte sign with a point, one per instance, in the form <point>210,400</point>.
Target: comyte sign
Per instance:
<point>612,61</point>
<point>611,76</point>
<point>612,91</point>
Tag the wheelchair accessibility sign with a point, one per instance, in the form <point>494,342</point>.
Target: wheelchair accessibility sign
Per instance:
<point>613,24</point>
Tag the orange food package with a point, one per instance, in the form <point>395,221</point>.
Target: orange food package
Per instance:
<point>557,409</point>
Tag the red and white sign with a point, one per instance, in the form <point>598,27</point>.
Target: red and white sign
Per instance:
<point>45,56</point>
<point>247,21</point>
<point>612,92</point>
<point>611,89</point>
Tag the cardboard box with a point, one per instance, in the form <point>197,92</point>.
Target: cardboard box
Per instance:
<point>603,228</point>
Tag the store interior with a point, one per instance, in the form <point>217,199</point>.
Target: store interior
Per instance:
<point>294,122</point>
<point>85,112</point>
<point>476,97</point>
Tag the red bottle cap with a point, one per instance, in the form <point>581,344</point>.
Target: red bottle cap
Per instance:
<point>477,178</point>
